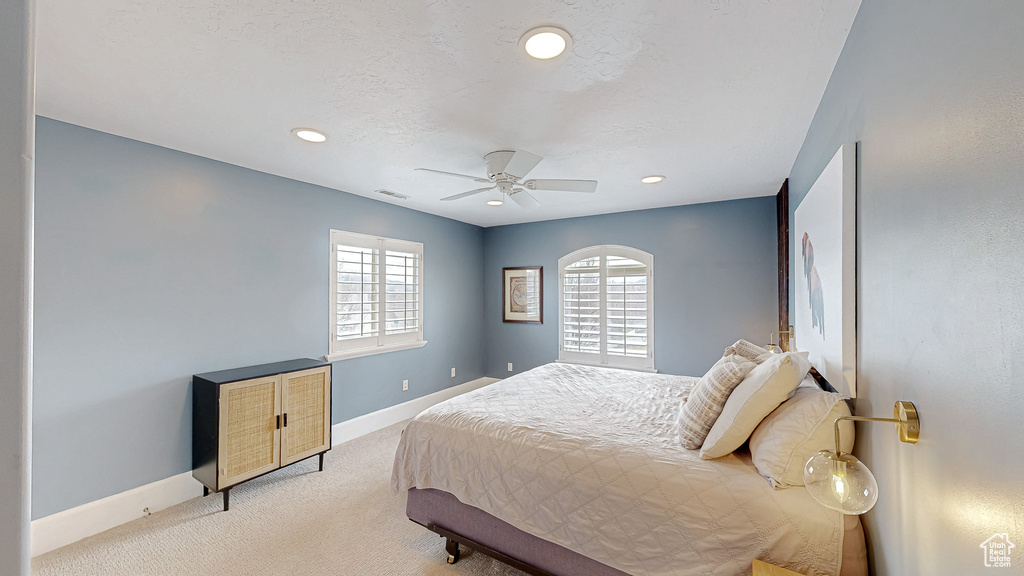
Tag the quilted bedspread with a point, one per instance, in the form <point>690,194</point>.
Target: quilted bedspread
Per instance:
<point>589,458</point>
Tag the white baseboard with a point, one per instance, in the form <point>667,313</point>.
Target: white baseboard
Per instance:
<point>57,530</point>
<point>63,528</point>
<point>360,425</point>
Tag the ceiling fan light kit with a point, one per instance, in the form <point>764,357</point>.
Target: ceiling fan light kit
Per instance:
<point>506,169</point>
<point>310,135</point>
<point>545,42</point>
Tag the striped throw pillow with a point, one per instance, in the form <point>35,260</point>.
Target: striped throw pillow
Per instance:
<point>748,350</point>
<point>708,397</point>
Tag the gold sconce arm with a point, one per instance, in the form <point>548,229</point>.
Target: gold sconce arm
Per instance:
<point>908,426</point>
<point>771,338</point>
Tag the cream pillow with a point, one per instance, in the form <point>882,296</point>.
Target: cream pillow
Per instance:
<point>763,389</point>
<point>796,430</point>
<point>748,350</point>
<point>708,397</point>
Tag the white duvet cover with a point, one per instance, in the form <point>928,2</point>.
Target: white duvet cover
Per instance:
<point>589,458</point>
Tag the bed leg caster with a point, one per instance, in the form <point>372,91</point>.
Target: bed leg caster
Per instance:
<point>452,547</point>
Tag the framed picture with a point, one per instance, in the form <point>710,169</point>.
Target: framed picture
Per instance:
<point>522,294</point>
<point>825,223</point>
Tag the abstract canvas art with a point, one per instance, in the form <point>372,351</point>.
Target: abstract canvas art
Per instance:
<point>825,271</point>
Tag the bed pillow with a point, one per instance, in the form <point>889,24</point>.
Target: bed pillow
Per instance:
<point>796,430</point>
<point>708,397</point>
<point>748,350</point>
<point>760,392</point>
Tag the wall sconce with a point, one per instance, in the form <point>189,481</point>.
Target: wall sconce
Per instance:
<point>771,338</point>
<point>841,482</point>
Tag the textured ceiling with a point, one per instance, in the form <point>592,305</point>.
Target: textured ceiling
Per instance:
<point>717,94</point>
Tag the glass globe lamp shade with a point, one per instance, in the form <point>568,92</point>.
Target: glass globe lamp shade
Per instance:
<point>840,482</point>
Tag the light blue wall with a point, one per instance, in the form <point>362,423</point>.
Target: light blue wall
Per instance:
<point>715,279</point>
<point>934,90</point>
<point>153,265</point>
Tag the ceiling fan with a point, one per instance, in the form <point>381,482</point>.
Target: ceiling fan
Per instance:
<point>506,169</point>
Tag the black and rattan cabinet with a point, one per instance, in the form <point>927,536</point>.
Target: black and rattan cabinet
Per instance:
<point>250,421</point>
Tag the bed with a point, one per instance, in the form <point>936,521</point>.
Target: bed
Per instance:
<point>573,470</point>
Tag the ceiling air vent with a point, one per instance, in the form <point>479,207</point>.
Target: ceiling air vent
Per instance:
<point>395,194</point>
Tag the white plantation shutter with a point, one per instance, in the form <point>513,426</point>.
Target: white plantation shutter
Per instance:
<point>581,306</point>
<point>402,292</point>
<point>358,305</point>
<point>626,308</point>
<point>376,296</point>
<point>606,299</point>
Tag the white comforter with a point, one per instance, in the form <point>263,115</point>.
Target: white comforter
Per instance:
<point>588,458</point>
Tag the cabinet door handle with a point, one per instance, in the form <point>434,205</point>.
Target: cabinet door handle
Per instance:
<point>278,422</point>
<point>285,419</point>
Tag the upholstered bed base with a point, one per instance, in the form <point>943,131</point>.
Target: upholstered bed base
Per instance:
<point>443,513</point>
<point>463,524</point>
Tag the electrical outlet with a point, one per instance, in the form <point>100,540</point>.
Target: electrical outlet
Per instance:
<point>405,385</point>
<point>509,366</point>
<point>453,372</point>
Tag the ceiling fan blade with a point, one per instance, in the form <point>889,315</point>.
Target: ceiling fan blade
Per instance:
<point>521,163</point>
<point>467,176</point>
<point>470,193</point>
<point>562,185</point>
<point>524,199</point>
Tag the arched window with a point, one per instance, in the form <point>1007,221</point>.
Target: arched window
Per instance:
<point>606,305</point>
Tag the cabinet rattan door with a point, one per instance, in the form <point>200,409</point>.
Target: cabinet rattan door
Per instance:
<point>306,399</point>
<point>249,436</point>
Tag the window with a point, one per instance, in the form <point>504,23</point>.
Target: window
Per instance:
<point>376,295</point>
<point>606,299</point>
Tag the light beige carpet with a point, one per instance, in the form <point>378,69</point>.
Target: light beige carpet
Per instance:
<point>294,521</point>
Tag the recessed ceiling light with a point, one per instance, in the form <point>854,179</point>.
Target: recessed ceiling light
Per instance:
<point>310,135</point>
<point>652,179</point>
<point>545,42</point>
<point>494,202</point>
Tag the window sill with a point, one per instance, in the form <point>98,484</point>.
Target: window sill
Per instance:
<point>360,352</point>
<point>599,365</point>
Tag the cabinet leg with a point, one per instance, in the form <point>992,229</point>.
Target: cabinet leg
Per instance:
<point>226,490</point>
<point>322,461</point>
<point>206,491</point>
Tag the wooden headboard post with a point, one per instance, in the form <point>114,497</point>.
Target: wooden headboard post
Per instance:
<point>782,220</point>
